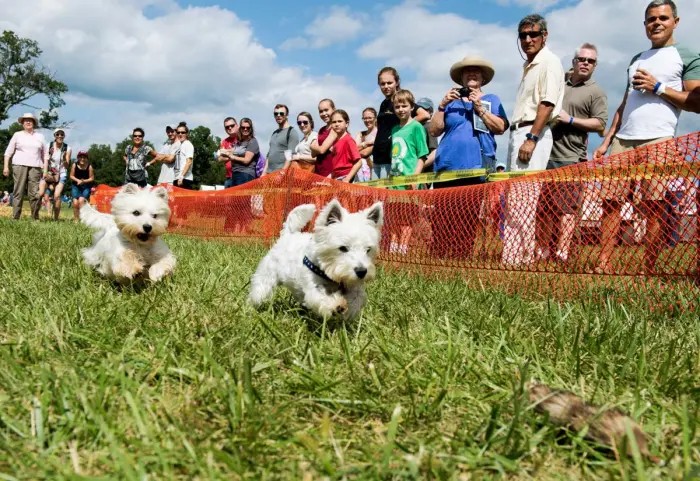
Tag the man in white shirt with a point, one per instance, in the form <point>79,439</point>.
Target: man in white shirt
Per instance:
<point>538,103</point>
<point>166,155</point>
<point>660,82</point>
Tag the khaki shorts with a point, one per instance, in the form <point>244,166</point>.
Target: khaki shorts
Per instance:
<point>650,189</point>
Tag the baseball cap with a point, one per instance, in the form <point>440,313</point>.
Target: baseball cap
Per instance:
<point>169,128</point>
<point>82,153</point>
<point>425,103</point>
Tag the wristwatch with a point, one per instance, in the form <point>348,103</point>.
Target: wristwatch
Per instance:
<point>533,137</point>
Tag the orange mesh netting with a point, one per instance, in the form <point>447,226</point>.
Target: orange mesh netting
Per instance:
<point>631,217</point>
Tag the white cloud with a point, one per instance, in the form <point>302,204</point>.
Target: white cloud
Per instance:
<point>339,25</point>
<point>538,5</point>
<point>195,64</point>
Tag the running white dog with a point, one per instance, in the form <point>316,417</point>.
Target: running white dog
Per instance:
<point>326,270</point>
<point>127,244</point>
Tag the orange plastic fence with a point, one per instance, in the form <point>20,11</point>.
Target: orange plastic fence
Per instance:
<point>633,215</point>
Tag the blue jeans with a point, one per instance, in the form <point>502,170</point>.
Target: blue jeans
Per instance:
<point>240,178</point>
<point>380,171</point>
<point>228,182</point>
<point>81,191</point>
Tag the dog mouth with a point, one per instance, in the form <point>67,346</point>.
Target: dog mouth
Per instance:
<point>143,237</point>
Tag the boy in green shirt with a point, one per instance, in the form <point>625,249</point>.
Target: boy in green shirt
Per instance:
<point>409,149</point>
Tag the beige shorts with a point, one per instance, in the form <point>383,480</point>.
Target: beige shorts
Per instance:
<point>650,189</point>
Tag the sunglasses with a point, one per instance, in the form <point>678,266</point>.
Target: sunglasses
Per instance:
<point>591,61</point>
<point>280,114</point>
<point>533,35</point>
<point>302,122</point>
<point>137,136</point>
<point>367,118</point>
<point>245,128</point>
<point>181,132</point>
<point>59,135</point>
<point>229,126</point>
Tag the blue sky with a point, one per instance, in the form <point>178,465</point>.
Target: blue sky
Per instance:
<point>150,63</point>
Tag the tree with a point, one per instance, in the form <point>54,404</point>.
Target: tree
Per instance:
<point>22,78</point>
<point>6,183</point>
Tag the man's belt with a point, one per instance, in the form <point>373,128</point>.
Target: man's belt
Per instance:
<point>524,123</point>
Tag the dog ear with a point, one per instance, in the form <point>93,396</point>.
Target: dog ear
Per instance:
<point>161,192</point>
<point>130,189</point>
<point>332,213</point>
<point>375,213</point>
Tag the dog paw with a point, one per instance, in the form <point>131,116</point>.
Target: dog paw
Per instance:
<point>128,270</point>
<point>156,273</point>
<point>342,306</point>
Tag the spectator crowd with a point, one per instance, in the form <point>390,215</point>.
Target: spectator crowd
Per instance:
<point>555,110</point>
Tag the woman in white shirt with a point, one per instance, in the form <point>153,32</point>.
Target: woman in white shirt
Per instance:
<point>29,155</point>
<point>302,156</point>
<point>55,177</point>
<point>365,142</point>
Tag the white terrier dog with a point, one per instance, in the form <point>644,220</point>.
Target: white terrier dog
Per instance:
<point>127,244</point>
<point>325,270</point>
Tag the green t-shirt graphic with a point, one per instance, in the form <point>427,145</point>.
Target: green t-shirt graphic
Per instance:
<point>408,144</point>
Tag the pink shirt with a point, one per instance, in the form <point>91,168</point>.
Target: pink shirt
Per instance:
<point>27,149</point>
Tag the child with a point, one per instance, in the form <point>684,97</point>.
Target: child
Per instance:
<point>82,175</point>
<point>346,158</point>
<point>409,150</point>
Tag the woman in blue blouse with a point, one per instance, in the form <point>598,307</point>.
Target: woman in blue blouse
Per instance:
<point>469,119</point>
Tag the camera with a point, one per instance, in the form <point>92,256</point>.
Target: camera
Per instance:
<point>464,92</point>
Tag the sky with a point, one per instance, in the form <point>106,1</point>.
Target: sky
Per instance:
<point>150,63</point>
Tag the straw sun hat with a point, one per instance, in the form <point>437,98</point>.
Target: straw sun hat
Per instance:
<point>487,70</point>
<point>27,116</point>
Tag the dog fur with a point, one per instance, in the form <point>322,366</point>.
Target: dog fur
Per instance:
<point>607,427</point>
<point>127,244</point>
<point>343,245</point>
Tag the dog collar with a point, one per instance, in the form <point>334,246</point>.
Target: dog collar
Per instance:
<point>319,272</point>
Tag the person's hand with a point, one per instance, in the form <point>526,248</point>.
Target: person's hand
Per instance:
<point>643,81</point>
<point>600,151</point>
<point>475,98</point>
<point>178,182</point>
<point>6,171</point>
<point>526,150</point>
<point>564,117</point>
<point>452,94</point>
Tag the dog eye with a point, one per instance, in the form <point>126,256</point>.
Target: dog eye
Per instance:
<point>343,249</point>
<point>155,216</point>
<point>369,249</point>
<point>136,213</point>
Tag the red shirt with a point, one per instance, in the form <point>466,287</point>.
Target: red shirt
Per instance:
<point>228,143</point>
<point>324,162</point>
<point>345,154</point>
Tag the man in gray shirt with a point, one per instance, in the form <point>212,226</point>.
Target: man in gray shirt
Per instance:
<point>584,110</point>
<point>284,138</point>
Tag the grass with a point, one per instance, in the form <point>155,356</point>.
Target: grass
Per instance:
<point>183,380</point>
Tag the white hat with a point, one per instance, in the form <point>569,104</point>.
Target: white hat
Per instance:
<point>487,70</point>
<point>27,116</point>
<point>58,130</point>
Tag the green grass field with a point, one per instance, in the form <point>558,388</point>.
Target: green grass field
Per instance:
<point>183,380</point>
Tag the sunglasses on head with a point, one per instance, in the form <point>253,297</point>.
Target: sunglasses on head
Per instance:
<point>532,35</point>
<point>588,60</point>
<point>302,122</point>
<point>280,114</point>
<point>229,126</point>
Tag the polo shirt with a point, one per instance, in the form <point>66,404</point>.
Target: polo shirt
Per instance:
<point>542,81</point>
<point>584,100</point>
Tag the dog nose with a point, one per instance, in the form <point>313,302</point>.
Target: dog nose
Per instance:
<point>147,228</point>
<point>361,272</point>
